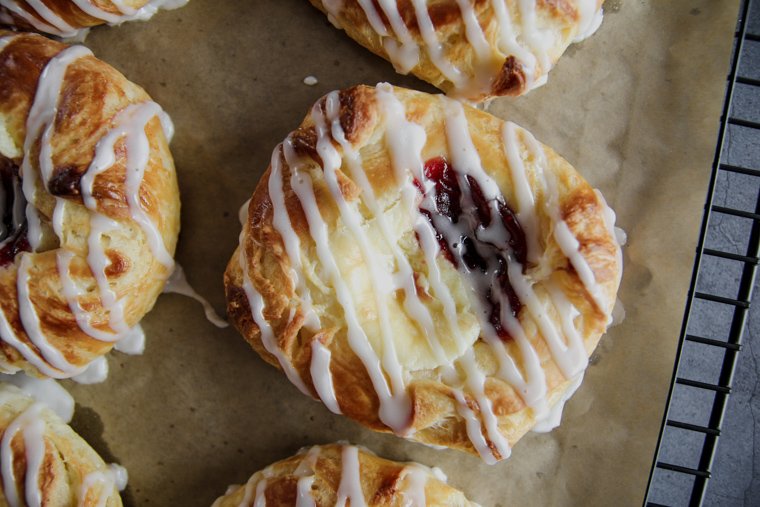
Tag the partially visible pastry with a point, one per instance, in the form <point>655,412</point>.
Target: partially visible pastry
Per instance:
<point>68,18</point>
<point>90,208</point>
<point>43,462</point>
<point>425,268</point>
<point>471,49</point>
<point>338,475</point>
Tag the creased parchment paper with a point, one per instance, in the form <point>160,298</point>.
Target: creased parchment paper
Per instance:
<point>635,108</point>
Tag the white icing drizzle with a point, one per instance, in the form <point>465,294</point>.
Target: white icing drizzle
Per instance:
<point>406,55</point>
<point>306,476</point>
<point>394,400</point>
<point>250,494</point>
<point>31,425</point>
<point>130,124</point>
<point>103,481</point>
<point>567,242</point>
<point>46,391</point>
<point>256,302</point>
<point>16,9</point>
<point>178,284</point>
<point>54,24</point>
<point>416,480</point>
<point>321,376</point>
<point>350,488</point>
<point>394,408</point>
<point>31,322</point>
<point>32,428</point>
<point>281,222</point>
<point>40,122</point>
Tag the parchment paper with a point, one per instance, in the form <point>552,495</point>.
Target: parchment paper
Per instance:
<point>635,109</point>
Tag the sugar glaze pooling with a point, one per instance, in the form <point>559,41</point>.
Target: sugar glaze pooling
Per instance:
<point>128,125</point>
<point>525,40</point>
<point>404,142</point>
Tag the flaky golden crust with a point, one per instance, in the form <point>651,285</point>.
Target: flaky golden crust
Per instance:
<point>66,462</point>
<point>92,96</point>
<point>436,415</point>
<point>509,52</point>
<point>384,483</point>
<point>63,17</point>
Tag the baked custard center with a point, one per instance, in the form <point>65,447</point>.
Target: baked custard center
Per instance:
<point>13,227</point>
<point>478,243</point>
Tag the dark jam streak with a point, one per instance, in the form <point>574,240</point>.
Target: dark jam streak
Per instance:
<point>13,238</point>
<point>469,212</point>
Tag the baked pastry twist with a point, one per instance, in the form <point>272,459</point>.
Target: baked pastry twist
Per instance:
<point>44,462</point>
<point>425,268</point>
<point>471,49</point>
<point>67,18</point>
<point>90,206</point>
<point>336,474</point>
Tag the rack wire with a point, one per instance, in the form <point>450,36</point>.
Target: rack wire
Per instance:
<point>696,432</point>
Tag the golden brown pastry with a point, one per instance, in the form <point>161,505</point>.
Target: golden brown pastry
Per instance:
<point>425,268</point>
<point>471,49</point>
<point>68,18</point>
<point>332,475</point>
<point>44,462</point>
<point>90,208</point>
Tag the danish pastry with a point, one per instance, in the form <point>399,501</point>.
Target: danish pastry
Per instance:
<point>425,268</point>
<point>90,208</point>
<point>44,462</point>
<point>471,49</point>
<point>68,18</point>
<point>337,474</point>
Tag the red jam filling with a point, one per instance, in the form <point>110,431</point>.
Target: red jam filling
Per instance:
<point>13,238</point>
<point>460,218</point>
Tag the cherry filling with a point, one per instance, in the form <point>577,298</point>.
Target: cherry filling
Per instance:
<point>13,237</point>
<point>473,239</point>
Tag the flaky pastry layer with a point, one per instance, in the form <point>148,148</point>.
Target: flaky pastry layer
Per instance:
<point>71,18</point>
<point>331,474</point>
<point>471,49</point>
<point>352,279</point>
<point>38,448</point>
<point>91,149</point>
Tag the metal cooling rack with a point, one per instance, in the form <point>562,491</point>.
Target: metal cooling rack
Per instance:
<point>715,318</point>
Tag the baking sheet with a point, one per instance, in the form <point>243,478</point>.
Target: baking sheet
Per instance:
<point>635,109</point>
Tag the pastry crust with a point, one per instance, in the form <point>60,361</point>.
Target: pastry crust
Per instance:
<point>442,374</point>
<point>471,49</point>
<point>70,472</point>
<point>92,151</point>
<point>324,474</point>
<point>67,18</point>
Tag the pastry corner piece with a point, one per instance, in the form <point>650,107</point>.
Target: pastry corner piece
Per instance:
<point>90,208</point>
<point>426,269</point>
<point>72,18</point>
<point>471,49</point>
<point>339,474</point>
<point>44,462</point>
